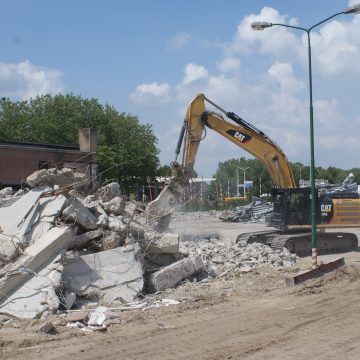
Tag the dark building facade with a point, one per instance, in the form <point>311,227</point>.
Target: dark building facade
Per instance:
<point>19,159</point>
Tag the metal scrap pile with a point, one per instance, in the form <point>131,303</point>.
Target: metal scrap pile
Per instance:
<point>59,249</point>
<point>347,186</point>
<point>256,211</point>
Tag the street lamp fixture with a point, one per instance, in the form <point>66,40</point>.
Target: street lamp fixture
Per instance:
<point>353,9</point>
<point>261,25</point>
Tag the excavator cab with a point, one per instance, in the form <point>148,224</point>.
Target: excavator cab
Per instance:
<point>291,207</point>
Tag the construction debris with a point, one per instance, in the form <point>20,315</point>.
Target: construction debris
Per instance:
<point>110,276</point>
<point>256,211</point>
<point>59,250</point>
<point>171,275</point>
<point>347,186</point>
<point>219,257</point>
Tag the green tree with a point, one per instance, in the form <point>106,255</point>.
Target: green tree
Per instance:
<point>164,170</point>
<point>127,150</point>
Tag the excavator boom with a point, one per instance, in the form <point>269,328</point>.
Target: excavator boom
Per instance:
<point>291,205</point>
<point>240,132</point>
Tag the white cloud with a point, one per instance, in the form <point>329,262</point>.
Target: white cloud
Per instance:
<point>194,72</point>
<point>150,93</point>
<point>336,48</point>
<point>25,80</point>
<point>230,64</point>
<point>274,40</point>
<point>353,2</point>
<point>283,74</point>
<point>180,40</point>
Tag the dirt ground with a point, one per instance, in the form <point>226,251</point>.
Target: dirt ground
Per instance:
<point>252,316</point>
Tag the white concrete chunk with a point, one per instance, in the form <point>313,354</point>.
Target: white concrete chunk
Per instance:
<point>171,275</point>
<point>115,224</point>
<point>35,258</point>
<point>36,295</point>
<point>81,240</point>
<point>7,191</point>
<point>79,213</point>
<point>114,206</point>
<point>113,275</point>
<point>21,222</point>
<point>108,192</point>
<point>54,176</point>
<point>166,243</point>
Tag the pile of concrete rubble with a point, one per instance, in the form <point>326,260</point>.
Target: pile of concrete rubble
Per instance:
<point>256,211</point>
<point>60,249</point>
<point>221,258</point>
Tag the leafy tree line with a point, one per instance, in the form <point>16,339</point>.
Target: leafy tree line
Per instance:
<point>227,172</point>
<point>127,149</point>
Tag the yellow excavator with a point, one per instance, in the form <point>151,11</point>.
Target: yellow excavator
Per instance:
<point>291,215</point>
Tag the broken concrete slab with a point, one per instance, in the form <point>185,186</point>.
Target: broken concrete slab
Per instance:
<point>115,223</point>
<point>5,202</point>
<point>108,192</point>
<point>130,209</point>
<point>163,243</point>
<point>34,298</point>
<point>112,240</point>
<point>115,206</point>
<point>11,218</point>
<point>35,257</point>
<point>7,191</point>
<point>83,239</point>
<point>27,286</point>
<point>113,276</point>
<point>171,275</point>
<point>80,214</point>
<point>17,220</point>
<point>53,176</point>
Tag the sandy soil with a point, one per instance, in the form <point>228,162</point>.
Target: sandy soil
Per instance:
<point>252,316</point>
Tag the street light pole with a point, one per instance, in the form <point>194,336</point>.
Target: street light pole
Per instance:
<point>237,182</point>
<point>243,169</point>
<point>263,25</point>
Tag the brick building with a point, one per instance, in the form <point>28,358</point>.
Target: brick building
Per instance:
<point>20,159</point>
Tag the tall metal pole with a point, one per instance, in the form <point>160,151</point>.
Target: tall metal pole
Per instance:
<point>312,164</point>
<point>261,26</point>
<point>237,182</point>
<point>244,184</point>
<point>243,169</point>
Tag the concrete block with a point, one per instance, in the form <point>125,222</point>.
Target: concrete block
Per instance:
<point>113,275</point>
<point>81,240</point>
<point>35,296</point>
<point>111,240</point>
<point>35,257</point>
<point>7,191</point>
<point>130,209</point>
<point>166,243</point>
<point>115,206</point>
<point>171,275</point>
<point>108,192</point>
<point>20,222</point>
<point>51,177</point>
<point>137,230</point>
<point>116,224</point>
<point>79,213</point>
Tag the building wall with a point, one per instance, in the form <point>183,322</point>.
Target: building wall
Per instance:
<point>19,161</point>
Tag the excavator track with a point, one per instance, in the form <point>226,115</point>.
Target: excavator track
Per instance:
<point>299,243</point>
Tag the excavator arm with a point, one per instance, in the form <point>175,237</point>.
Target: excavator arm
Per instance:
<point>241,133</point>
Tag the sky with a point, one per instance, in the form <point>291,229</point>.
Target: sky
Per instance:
<point>150,58</point>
